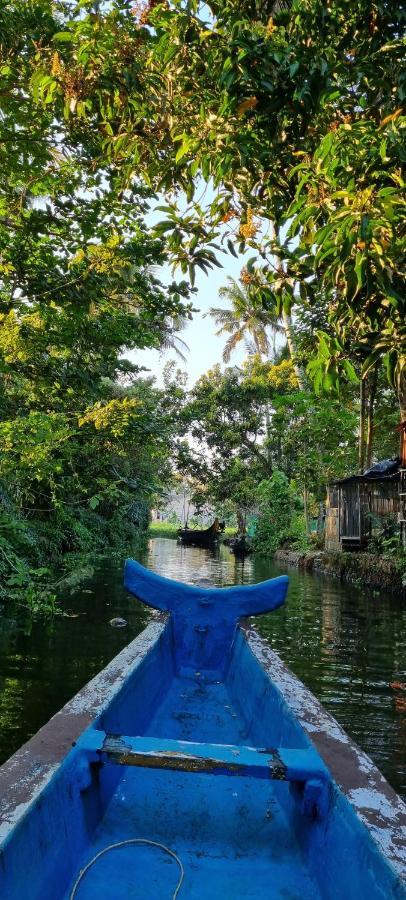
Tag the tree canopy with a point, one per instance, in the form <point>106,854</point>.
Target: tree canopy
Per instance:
<point>271,127</point>
<point>293,112</point>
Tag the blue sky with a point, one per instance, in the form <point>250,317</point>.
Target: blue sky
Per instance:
<point>205,349</point>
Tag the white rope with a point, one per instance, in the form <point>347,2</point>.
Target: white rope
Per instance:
<point>167,850</point>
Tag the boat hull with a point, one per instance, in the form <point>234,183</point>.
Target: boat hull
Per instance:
<point>237,833</point>
<point>196,538</point>
<point>206,537</point>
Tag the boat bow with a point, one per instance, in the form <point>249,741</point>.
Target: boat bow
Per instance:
<point>204,619</point>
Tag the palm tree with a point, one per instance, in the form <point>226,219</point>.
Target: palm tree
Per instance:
<point>245,322</point>
<point>170,340</point>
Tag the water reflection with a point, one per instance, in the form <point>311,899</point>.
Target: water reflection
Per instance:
<point>347,645</point>
<point>195,565</point>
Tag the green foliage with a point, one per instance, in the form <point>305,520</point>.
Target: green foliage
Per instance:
<point>164,529</point>
<point>296,119</point>
<point>72,486</point>
<point>242,424</point>
<point>84,442</point>
<point>313,439</point>
<point>223,419</point>
<point>385,538</point>
<point>280,522</point>
<point>348,211</point>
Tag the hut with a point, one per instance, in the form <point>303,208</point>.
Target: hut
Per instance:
<point>402,484</point>
<point>360,505</point>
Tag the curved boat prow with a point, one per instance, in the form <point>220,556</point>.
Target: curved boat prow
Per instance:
<point>204,618</point>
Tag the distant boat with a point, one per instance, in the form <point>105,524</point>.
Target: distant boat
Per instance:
<point>205,537</point>
<point>197,767</point>
<point>240,546</point>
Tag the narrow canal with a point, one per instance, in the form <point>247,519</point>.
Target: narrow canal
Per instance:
<point>347,645</point>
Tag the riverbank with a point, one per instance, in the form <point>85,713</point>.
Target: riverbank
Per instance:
<point>367,569</point>
<point>163,529</point>
<point>168,530</point>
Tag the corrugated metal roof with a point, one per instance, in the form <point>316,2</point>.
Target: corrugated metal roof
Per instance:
<point>381,471</point>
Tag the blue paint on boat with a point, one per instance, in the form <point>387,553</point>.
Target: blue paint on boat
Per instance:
<point>204,620</point>
<point>195,749</point>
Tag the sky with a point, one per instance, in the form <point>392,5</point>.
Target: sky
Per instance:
<point>205,349</point>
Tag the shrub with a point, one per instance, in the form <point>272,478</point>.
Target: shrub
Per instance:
<point>280,518</point>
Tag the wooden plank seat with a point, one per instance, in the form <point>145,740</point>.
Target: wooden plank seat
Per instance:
<point>302,768</point>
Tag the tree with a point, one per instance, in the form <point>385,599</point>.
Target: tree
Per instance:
<point>278,514</point>
<point>350,198</point>
<point>245,321</point>
<point>272,110</point>
<point>224,427</point>
<point>84,443</point>
<point>243,424</point>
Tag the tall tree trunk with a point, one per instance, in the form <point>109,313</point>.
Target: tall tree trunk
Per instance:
<point>306,509</point>
<point>267,413</point>
<point>321,518</point>
<point>267,430</point>
<point>241,523</point>
<point>362,422</point>
<point>373,384</point>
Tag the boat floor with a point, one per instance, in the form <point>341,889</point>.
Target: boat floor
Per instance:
<point>231,834</point>
<point>197,711</point>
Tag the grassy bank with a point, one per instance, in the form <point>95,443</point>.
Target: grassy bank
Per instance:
<point>361,569</point>
<point>163,529</point>
<point>167,529</point>
<point>42,561</point>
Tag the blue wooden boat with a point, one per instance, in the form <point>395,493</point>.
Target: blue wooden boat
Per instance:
<point>197,766</point>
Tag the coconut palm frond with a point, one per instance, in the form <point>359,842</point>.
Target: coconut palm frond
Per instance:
<point>175,344</point>
<point>245,320</point>
<point>171,341</point>
<point>233,292</point>
<point>250,347</point>
<point>220,315</point>
<point>263,342</point>
<point>228,328</point>
<point>231,344</point>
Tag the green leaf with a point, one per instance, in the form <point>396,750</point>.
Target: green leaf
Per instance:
<point>63,36</point>
<point>350,371</point>
<point>390,361</point>
<point>232,249</point>
<point>183,150</point>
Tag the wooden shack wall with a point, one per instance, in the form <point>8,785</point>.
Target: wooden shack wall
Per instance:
<point>402,505</point>
<point>380,501</point>
<point>350,502</point>
<point>332,525</point>
<point>355,510</point>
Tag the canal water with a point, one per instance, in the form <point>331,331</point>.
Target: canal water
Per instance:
<point>348,646</point>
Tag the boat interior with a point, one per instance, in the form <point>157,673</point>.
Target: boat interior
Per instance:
<point>232,833</point>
